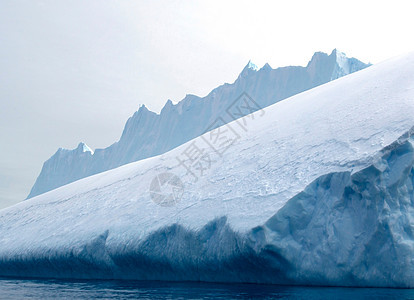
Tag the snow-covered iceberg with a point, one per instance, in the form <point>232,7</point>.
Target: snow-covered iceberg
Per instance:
<point>147,134</point>
<point>316,189</point>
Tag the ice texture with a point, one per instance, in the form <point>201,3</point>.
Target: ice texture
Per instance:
<point>317,190</point>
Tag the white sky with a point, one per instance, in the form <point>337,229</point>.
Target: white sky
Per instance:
<point>74,71</point>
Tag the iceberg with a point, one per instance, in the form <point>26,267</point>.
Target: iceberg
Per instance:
<point>148,134</point>
<point>316,189</point>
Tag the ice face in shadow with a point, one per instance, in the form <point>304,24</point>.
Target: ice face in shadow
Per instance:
<point>347,229</point>
<point>352,229</point>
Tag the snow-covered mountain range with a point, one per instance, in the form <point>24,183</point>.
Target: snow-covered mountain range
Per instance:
<point>147,134</point>
<point>316,189</point>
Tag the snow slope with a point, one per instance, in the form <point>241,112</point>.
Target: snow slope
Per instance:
<point>148,134</point>
<point>317,189</point>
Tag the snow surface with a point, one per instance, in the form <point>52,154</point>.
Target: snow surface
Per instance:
<point>85,148</point>
<point>147,134</point>
<point>317,189</point>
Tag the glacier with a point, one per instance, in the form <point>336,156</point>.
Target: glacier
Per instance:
<point>316,189</point>
<point>147,134</point>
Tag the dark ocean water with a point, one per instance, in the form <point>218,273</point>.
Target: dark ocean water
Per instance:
<point>57,289</point>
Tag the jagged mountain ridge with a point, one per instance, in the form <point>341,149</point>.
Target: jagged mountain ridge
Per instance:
<point>148,134</point>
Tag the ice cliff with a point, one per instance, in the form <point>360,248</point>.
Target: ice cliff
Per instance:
<point>316,189</point>
<point>148,134</point>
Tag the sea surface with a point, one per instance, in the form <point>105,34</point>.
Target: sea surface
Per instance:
<point>58,289</point>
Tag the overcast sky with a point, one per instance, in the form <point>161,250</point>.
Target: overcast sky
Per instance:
<point>74,71</point>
